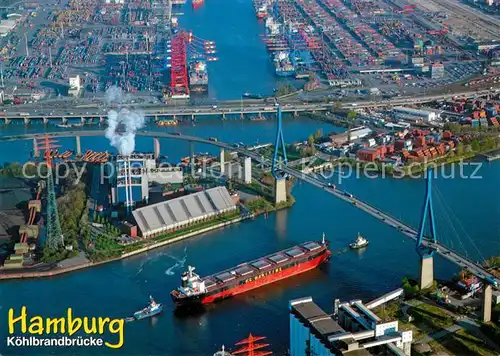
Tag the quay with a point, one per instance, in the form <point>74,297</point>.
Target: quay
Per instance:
<point>50,271</point>
<point>491,156</point>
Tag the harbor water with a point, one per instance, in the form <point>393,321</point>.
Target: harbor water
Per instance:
<point>467,208</point>
<point>119,288</point>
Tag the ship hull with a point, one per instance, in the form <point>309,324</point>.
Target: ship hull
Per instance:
<point>216,296</point>
<point>198,87</point>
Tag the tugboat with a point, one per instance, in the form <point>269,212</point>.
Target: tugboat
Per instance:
<point>152,309</point>
<point>359,243</point>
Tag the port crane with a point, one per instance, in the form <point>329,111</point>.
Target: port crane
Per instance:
<point>185,45</point>
<point>249,347</point>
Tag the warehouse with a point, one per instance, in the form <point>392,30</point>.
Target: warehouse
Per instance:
<point>417,115</point>
<point>174,214</point>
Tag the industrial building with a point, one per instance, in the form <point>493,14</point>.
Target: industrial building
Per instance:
<point>132,176</point>
<point>355,133</point>
<point>414,115</point>
<point>352,330</point>
<point>167,216</point>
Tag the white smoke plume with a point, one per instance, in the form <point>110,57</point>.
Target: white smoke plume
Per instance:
<point>122,122</point>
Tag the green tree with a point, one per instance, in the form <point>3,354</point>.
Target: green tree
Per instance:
<point>310,140</point>
<point>476,146</point>
<point>460,149</point>
<point>318,134</point>
<point>351,115</point>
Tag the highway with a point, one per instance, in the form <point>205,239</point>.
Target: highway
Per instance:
<point>405,229</point>
<point>69,110</point>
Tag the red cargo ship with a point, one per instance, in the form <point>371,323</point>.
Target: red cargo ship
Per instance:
<point>247,276</point>
<point>197,3</point>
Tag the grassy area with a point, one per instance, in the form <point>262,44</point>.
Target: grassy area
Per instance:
<point>107,248</point>
<point>461,343</point>
<point>430,318</point>
<point>391,311</point>
<point>259,206</point>
<point>492,330</point>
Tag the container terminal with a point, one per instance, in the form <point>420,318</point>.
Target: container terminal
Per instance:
<point>365,44</point>
<point>390,45</point>
<point>90,45</point>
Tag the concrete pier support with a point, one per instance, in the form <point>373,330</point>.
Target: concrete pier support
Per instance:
<point>191,157</point>
<point>193,118</point>
<point>222,162</point>
<point>64,120</point>
<point>82,120</point>
<point>247,170</point>
<point>242,116</point>
<point>426,272</point>
<point>156,148</point>
<point>45,120</point>
<point>36,152</point>
<point>26,121</point>
<point>223,116</point>
<point>487,301</point>
<point>295,113</point>
<point>279,191</point>
<point>101,120</point>
<point>78,146</point>
<point>7,121</point>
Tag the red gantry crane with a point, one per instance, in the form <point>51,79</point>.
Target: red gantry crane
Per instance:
<point>251,346</point>
<point>185,45</point>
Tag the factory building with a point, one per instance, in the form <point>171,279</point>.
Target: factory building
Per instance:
<point>414,115</point>
<point>352,330</point>
<point>131,177</point>
<point>171,215</point>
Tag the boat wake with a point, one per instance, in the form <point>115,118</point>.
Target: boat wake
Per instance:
<point>148,260</point>
<point>179,263</point>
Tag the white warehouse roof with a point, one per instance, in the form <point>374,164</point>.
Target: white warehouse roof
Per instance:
<point>177,212</point>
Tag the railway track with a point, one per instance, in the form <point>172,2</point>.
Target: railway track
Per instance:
<point>464,17</point>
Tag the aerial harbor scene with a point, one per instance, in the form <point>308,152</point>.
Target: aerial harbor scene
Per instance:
<point>250,177</point>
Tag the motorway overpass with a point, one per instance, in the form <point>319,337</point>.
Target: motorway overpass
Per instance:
<point>461,261</point>
<point>67,110</point>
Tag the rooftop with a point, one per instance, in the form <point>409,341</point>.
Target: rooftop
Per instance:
<point>174,212</point>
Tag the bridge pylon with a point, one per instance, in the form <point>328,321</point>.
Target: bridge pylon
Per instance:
<point>279,159</point>
<point>426,254</point>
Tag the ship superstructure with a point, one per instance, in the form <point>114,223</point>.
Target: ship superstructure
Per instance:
<point>198,75</point>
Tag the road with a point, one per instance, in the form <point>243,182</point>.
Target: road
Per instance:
<point>462,262</point>
<point>68,109</point>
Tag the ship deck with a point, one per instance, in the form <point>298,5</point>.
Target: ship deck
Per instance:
<point>263,264</point>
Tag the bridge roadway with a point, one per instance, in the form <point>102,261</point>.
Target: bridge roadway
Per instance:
<point>88,111</point>
<point>461,261</point>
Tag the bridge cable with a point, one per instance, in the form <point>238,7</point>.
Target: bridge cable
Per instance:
<point>447,207</point>
<point>450,223</point>
<point>481,256</point>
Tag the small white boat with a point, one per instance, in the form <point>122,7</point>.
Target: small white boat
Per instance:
<point>359,243</point>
